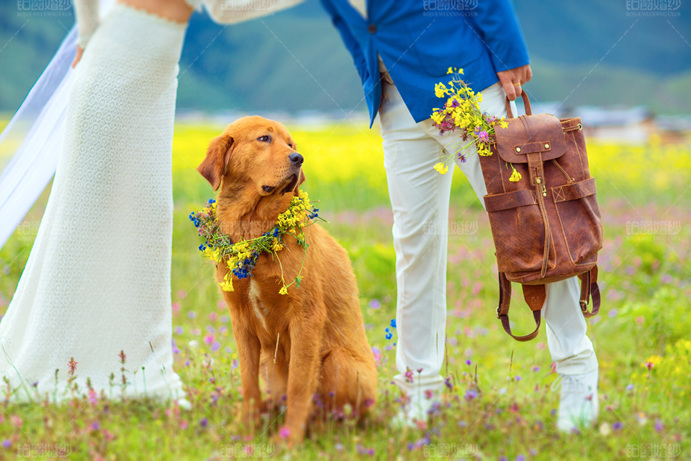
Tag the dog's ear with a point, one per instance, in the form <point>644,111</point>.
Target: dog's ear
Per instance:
<point>301,179</point>
<point>214,166</point>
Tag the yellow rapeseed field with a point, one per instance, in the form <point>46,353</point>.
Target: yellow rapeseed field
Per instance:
<point>345,152</point>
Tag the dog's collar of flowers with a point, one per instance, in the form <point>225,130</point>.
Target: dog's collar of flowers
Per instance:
<point>241,257</point>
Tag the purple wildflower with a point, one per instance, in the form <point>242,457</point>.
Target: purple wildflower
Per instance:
<point>483,136</point>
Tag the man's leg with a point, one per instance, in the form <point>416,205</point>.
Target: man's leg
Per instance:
<point>420,201</point>
<point>574,355</point>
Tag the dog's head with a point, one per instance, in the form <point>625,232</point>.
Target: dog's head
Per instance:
<point>254,153</point>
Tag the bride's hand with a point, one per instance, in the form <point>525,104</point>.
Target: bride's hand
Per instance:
<point>80,51</point>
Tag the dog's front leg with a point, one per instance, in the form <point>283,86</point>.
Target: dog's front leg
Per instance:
<point>249,350</point>
<point>303,372</point>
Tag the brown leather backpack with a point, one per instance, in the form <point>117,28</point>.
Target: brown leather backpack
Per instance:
<point>546,226</point>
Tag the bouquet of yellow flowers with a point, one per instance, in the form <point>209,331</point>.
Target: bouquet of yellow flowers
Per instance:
<point>462,111</point>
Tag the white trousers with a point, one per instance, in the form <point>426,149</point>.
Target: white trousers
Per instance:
<point>420,201</point>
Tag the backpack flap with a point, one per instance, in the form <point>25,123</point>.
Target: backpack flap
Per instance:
<point>529,134</point>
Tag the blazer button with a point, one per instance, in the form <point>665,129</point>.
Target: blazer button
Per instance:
<point>372,28</point>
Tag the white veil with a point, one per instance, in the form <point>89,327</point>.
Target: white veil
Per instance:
<point>33,138</point>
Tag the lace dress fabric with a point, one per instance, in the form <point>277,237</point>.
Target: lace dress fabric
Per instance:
<point>97,281</point>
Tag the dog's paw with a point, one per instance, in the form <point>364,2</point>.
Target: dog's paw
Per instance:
<point>251,416</point>
<point>287,437</point>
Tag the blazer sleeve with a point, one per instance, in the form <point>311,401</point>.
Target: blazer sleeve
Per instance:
<point>235,11</point>
<point>86,14</point>
<point>350,42</point>
<point>498,27</point>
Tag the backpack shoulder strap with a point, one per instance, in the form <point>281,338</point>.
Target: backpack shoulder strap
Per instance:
<point>535,297</point>
<point>589,289</point>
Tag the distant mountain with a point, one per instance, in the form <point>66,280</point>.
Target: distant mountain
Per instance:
<point>586,52</point>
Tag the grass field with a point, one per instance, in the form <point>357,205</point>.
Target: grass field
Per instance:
<point>501,404</point>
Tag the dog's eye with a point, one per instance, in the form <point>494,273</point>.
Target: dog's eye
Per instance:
<point>265,138</point>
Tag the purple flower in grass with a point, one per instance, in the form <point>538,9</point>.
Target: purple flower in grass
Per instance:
<point>617,426</point>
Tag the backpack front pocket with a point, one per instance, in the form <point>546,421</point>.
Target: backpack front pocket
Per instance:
<point>518,231</point>
<point>579,218</point>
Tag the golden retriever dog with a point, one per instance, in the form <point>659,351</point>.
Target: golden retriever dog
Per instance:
<point>311,341</point>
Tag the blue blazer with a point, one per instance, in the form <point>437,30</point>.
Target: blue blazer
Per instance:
<point>418,40</point>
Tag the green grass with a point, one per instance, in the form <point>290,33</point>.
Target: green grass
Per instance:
<point>644,318</point>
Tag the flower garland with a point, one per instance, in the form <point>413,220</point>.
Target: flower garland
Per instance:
<point>462,110</point>
<point>241,257</point>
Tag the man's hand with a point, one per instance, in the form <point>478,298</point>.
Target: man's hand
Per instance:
<point>512,80</point>
<point>80,50</point>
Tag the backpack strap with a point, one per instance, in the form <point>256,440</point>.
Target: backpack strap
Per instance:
<point>535,297</point>
<point>589,289</point>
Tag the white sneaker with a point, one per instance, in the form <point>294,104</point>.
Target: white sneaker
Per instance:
<point>184,404</point>
<point>416,411</point>
<point>578,404</point>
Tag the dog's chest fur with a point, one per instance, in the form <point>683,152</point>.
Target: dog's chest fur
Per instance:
<point>258,308</point>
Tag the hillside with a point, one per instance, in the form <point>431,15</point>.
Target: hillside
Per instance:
<point>588,52</point>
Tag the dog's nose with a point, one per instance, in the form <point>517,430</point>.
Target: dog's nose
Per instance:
<point>296,158</point>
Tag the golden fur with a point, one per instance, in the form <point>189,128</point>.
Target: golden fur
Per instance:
<point>311,340</point>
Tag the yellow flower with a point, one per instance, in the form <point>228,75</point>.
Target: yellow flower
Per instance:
<point>283,290</point>
<point>515,176</point>
<point>503,124</point>
<point>438,117</point>
<point>227,284</point>
<point>441,168</point>
<point>440,90</point>
<point>276,245</point>
<point>450,71</point>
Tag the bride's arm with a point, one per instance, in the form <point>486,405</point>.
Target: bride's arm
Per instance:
<point>234,11</point>
<point>86,12</point>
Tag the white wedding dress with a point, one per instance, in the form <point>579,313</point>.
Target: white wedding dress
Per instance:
<point>97,281</point>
